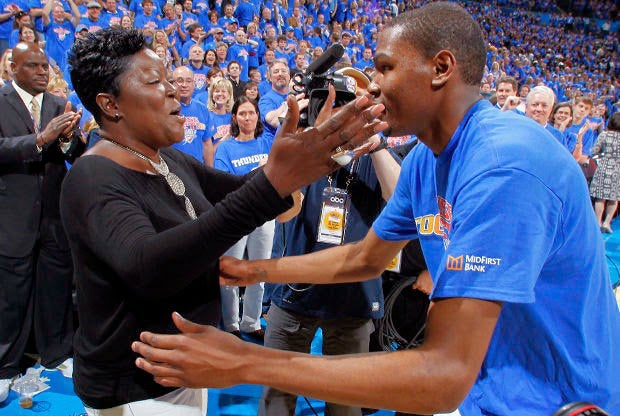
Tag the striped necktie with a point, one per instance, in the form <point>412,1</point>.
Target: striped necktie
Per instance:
<point>35,112</point>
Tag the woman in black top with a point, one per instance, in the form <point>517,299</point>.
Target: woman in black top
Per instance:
<point>147,223</point>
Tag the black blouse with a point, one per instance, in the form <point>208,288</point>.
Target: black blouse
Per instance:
<point>138,257</point>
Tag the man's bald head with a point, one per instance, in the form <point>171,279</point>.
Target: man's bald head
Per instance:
<point>184,82</point>
<point>30,67</point>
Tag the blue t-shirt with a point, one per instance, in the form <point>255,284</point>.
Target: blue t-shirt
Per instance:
<point>218,123</point>
<point>244,13</point>
<point>7,6</point>
<point>588,137</point>
<point>58,40</point>
<point>240,53</point>
<point>241,157</point>
<point>146,22</point>
<point>361,300</point>
<point>269,102</point>
<point>557,134</point>
<point>92,25</point>
<point>200,77</point>
<point>503,215</point>
<point>195,129</point>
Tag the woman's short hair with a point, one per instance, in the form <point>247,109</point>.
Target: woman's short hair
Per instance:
<point>614,122</point>
<point>31,27</point>
<point>561,105</point>
<point>220,83</point>
<point>57,82</point>
<point>234,127</point>
<point>98,61</point>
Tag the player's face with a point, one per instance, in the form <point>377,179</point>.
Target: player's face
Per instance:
<point>402,82</point>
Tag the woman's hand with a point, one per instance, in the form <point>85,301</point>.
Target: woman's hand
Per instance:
<point>564,124</point>
<point>298,159</point>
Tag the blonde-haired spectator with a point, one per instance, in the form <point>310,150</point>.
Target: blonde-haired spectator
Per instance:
<point>6,75</point>
<point>220,105</point>
<point>58,86</point>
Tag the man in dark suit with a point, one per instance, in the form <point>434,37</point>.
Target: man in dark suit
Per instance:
<point>38,132</point>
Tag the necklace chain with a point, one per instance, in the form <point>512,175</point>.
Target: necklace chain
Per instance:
<point>174,182</point>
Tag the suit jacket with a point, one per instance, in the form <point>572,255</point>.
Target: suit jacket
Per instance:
<point>29,181</point>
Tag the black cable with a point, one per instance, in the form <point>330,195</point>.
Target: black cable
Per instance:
<point>389,338</point>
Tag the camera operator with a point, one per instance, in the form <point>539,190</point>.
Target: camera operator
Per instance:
<point>344,312</point>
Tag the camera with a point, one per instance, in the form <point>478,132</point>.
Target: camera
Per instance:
<point>314,83</point>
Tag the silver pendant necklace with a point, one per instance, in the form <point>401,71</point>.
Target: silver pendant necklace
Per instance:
<point>174,182</point>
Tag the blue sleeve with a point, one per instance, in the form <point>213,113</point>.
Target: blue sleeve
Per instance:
<point>396,221</point>
<point>221,159</point>
<point>504,224</point>
<point>588,142</point>
<point>211,128</point>
<point>265,105</point>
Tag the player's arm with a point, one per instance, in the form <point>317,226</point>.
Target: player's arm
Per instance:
<point>347,263</point>
<point>431,379</point>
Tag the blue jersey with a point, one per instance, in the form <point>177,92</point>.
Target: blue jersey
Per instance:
<point>241,157</point>
<point>195,129</point>
<point>504,215</point>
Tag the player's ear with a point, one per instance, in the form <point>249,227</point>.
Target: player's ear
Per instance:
<point>444,66</point>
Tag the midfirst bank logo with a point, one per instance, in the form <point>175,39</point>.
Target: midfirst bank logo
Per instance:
<point>471,263</point>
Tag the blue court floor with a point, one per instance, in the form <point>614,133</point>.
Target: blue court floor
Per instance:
<point>240,400</point>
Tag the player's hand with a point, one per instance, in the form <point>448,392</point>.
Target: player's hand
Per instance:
<point>200,356</point>
<point>235,272</point>
<point>424,283</point>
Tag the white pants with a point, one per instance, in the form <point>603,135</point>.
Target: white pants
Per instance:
<point>180,402</point>
<point>258,244</point>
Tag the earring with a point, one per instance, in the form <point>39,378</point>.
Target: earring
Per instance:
<point>117,117</point>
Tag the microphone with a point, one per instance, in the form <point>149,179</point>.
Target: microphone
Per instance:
<point>327,59</point>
